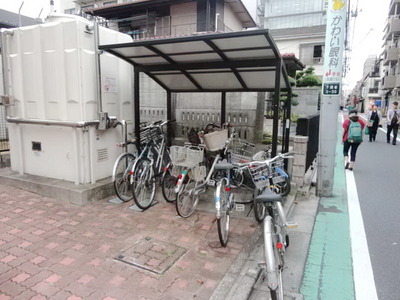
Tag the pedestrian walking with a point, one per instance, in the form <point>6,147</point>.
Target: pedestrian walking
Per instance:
<point>374,120</point>
<point>352,138</point>
<point>393,121</point>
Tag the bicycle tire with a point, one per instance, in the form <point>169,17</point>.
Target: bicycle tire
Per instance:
<point>122,176</point>
<point>260,210</point>
<point>168,183</point>
<point>144,184</point>
<point>186,200</point>
<point>284,188</point>
<point>276,293</point>
<point>224,218</point>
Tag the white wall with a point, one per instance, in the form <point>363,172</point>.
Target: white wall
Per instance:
<point>184,18</point>
<point>230,19</point>
<point>293,46</point>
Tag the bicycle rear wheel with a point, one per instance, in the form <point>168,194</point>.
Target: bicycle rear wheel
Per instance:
<point>186,200</point>
<point>144,184</point>
<point>168,184</point>
<point>224,218</point>
<point>122,176</point>
<point>276,285</point>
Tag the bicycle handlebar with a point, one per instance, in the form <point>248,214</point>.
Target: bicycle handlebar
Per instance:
<point>267,161</point>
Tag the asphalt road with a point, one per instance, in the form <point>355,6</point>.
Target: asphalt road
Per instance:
<point>377,171</point>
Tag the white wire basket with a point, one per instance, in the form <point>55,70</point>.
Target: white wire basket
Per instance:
<point>241,151</point>
<point>216,140</point>
<point>261,173</point>
<point>185,156</point>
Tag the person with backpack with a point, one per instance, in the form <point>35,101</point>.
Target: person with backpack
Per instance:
<point>352,138</point>
<point>393,120</point>
<point>374,120</point>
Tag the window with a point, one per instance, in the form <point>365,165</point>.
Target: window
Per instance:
<point>70,11</point>
<point>87,7</point>
<point>318,54</point>
<point>311,54</point>
<point>109,3</point>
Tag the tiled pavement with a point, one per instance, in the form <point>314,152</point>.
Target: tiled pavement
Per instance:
<point>55,250</point>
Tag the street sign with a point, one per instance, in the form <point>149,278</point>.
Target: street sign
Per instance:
<point>331,88</point>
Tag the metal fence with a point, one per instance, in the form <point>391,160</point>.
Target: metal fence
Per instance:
<point>309,126</point>
<point>4,143</point>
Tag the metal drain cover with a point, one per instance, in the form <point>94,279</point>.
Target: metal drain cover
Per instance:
<point>151,255</point>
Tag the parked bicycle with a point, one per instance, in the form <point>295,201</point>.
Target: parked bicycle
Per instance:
<point>148,168</point>
<point>269,173</point>
<point>194,180</point>
<point>274,223</point>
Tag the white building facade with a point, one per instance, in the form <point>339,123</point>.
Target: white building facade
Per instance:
<point>298,27</point>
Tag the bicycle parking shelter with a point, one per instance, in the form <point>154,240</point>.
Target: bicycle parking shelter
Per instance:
<point>245,61</point>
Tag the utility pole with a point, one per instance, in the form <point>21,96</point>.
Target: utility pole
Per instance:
<point>331,93</point>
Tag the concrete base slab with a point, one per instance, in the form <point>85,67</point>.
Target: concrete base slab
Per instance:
<point>58,189</point>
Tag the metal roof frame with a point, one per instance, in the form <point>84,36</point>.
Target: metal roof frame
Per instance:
<point>182,67</point>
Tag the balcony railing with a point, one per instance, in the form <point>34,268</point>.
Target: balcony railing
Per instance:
<point>373,90</point>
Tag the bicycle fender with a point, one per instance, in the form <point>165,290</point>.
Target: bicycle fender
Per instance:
<point>281,172</point>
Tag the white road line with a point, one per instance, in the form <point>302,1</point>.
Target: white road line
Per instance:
<point>364,282</point>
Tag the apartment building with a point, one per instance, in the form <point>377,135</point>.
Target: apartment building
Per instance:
<point>391,52</point>
<point>371,92</point>
<point>298,27</point>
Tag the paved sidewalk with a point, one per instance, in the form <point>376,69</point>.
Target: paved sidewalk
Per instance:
<point>55,250</point>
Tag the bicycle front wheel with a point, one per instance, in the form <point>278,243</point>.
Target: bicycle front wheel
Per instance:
<point>260,211</point>
<point>186,200</point>
<point>284,187</point>
<point>223,218</point>
<point>168,184</point>
<point>122,176</point>
<point>144,184</point>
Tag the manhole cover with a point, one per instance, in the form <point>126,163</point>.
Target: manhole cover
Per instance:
<point>152,255</point>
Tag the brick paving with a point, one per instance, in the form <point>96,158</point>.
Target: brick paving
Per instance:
<point>55,250</point>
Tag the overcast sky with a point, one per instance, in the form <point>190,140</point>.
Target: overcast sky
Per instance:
<point>366,40</point>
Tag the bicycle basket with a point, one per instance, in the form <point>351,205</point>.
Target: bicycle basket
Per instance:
<point>259,175</point>
<point>241,151</point>
<point>216,140</point>
<point>186,157</point>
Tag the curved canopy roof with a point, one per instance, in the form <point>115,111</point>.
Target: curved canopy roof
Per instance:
<point>212,62</point>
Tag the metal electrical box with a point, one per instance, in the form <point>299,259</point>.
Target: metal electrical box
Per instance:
<point>52,76</point>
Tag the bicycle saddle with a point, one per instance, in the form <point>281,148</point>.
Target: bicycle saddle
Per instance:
<point>224,165</point>
<point>268,196</point>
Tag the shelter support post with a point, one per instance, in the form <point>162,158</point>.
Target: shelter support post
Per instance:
<point>169,118</point>
<point>276,108</point>
<point>223,108</point>
<point>136,107</point>
<point>287,126</point>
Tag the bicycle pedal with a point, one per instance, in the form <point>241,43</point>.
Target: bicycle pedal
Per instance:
<point>239,207</point>
<point>291,224</point>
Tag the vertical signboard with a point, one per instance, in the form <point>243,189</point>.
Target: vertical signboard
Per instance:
<point>334,47</point>
<point>331,92</point>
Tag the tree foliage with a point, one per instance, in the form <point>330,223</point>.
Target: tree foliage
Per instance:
<point>307,78</point>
